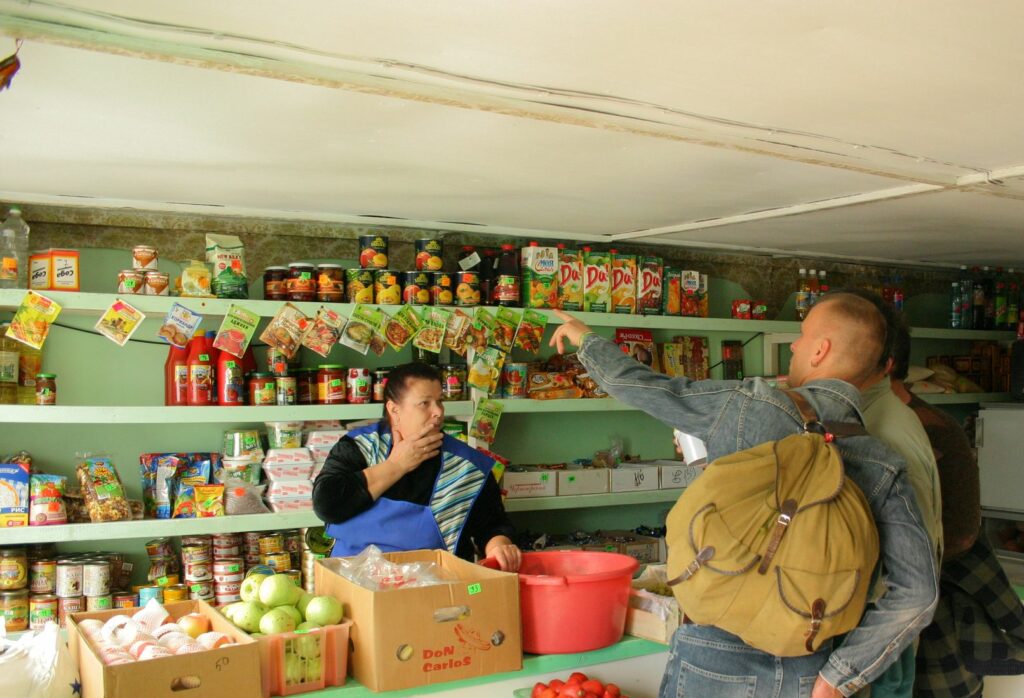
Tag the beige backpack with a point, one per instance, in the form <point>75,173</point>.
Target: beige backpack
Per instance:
<point>774,544</point>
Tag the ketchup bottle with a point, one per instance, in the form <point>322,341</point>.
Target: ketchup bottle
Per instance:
<point>176,377</point>
<point>200,372</point>
<point>214,354</point>
<point>230,380</point>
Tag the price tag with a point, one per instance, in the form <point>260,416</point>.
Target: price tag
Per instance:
<point>473,589</point>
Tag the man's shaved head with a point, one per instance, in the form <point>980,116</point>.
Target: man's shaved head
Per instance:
<point>843,337</point>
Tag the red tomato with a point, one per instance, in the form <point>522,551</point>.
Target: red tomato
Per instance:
<point>538,688</point>
<point>571,690</point>
<point>549,693</point>
<point>590,694</point>
<point>556,684</point>
<point>578,676</point>
<point>593,686</point>
<point>612,690</point>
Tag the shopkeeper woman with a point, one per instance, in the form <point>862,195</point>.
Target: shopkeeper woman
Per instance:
<point>402,484</point>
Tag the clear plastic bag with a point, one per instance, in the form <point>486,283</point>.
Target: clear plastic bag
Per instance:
<point>241,497</point>
<point>102,489</point>
<point>371,570</point>
<point>38,664</point>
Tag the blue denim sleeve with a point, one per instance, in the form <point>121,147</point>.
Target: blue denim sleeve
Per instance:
<point>906,608</point>
<point>691,406</point>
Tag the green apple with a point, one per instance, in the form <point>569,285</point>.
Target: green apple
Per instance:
<point>279,590</point>
<point>276,620</point>
<point>306,626</point>
<point>294,670</point>
<point>250,590</point>
<point>324,610</point>
<point>313,669</point>
<point>303,602</point>
<point>249,614</point>
<point>293,612</point>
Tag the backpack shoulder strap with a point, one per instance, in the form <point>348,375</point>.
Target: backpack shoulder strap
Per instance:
<point>813,424</point>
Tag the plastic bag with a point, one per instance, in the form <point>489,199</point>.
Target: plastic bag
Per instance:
<point>102,489</point>
<point>241,497</point>
<point>38,665</point>
<point>371,570</point>
<point>46,499</point>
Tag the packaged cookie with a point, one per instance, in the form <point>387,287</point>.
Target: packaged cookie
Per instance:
<point>362,326</point>
<point>324,332</point>
<point>400,329</point>
<point>431,334</point>
<point>102,489</point>
<point>456,333</point>
<point>531,331</point>
<point>481,329</point>
<point>505,326</point>
<point>286,329</point>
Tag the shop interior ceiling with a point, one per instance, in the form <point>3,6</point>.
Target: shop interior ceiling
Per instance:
<point>866,130</point>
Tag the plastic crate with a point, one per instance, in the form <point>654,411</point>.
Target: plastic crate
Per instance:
<point>327,645</point>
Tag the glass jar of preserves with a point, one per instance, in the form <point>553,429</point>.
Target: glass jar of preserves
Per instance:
<point>275,283</point>
<point>330,380</point>
<point>46,388</point>
<point>262,389</point>
<point>13,569</point>
<point>14,609</point>
<point>330,283</point>
<point>453,382</point>
<point>301,282</point>
<point>306,386</point>
<point>380,380</point>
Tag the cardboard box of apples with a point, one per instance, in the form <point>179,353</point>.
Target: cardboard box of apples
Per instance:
<point>302,638</point>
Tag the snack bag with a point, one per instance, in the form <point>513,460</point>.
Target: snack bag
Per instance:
<point>119,322</point>
<point>361,327</point>
<point>226,254</point>
<point>179,324</point>
<point>209,501</point>
<point>540,276</point>
<point>431,334</point>
<point>485,420</point>
<point>570,280</point>
<point>596,281</point>
<point>102,489</point>
<point>505,326</point>
<point>236,330</point>
<point>158,472</point>
<point>530,334</point>
<point>485,372</point>
<point>623,283</point>
<point>401,328</point>
<point>324,332</point>
<point>286,329</point>
<point>482,329</point>
<point>672,292</point>
<point>456,333</point>
<point>649,290</point>
<point>32,322</point>
<point>184,502</point>
<point>46,500</point>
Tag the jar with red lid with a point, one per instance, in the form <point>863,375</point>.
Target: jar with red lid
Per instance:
<point>331,388</point>
<point>301,282</point>
<point>275,283</point>
<point>330,283</point>
<point>262,389</point>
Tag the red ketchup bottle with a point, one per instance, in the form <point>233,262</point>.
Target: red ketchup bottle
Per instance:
<point>176,377</point>
<point>200,372</point>
<point>230,380</point>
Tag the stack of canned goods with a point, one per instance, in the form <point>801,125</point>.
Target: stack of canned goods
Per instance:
<point>13,587</point>
<point>228,568</point>
<point>197,567</point>
<point>315,546</point>
<point>164,572</point>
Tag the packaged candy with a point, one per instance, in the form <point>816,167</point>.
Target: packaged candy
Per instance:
<point>46,500</point>
<point>531,331</point>
<point>102,489</point>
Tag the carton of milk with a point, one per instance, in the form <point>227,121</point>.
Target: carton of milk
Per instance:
<point>540,276</point>
<point>570,279</point>
<point>597,290</point>
<point>623,283</point>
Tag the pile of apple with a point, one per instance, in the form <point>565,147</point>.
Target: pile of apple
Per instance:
<point>579,685</point>
<point>274,604</point>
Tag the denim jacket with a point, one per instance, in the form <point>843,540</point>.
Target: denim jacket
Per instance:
<point>730,416</point>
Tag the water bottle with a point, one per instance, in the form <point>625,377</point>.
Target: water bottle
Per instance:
<point>14,251</point>
<point>966,299</point>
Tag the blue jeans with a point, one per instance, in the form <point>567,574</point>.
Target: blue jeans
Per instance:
<point>705,662</point>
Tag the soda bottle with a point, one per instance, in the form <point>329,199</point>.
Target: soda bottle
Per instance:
<point>822,283</point>
<point>978,301</point>
<point>1001,302</point>
<point>813,288</point>
<point>487,276</point>
<point>14,251</point>
<point>989,318</point>
<point>1012,301</point>
<point>230,380</point>
<point>954,306</point>
<point>200,372</point>
<point>803,296</point>
<point>966,299</point>
<point>176,377</point>
<point>897,293</point>
<point>506,281</point>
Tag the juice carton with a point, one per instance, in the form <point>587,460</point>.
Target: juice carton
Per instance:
<point>623,283</point>
<point>672,292</point>
<point>649,283</point>
<point>540,276</point>
<point>690,286</point>
<point>570,279</point>
<point>702,296</point>
<point>596,281</point>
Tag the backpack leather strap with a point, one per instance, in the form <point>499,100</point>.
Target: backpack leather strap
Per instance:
<point>813,424</point>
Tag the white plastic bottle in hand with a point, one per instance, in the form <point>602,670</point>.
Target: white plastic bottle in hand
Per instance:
<point>14,251</point>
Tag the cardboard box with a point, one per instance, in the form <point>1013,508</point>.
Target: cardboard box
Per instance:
<point>233,670</point>
<point>404,638</point>
<point>643,548</point>
<point>650,615</point>
<point>529,482</point>
<point>583,481</point>
<point>634,477</point>
<point>677,475</point>
<point>14,480</point>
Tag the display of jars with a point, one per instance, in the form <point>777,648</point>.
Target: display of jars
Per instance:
<point>46,389</point>
<point>262,389</point>
<point>331,388</point>
<point>275,283</point>
<point>330,283</point>
<point>301,282</point>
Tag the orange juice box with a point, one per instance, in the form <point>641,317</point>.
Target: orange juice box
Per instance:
<point>623,283</point>
<point>649,283</point>
<point>540,276</point>
<point>570,279</point>
<point>597,295</point>
<point>672,292</point>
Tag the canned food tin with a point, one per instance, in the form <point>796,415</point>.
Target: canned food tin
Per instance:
<point>175,592</point>
<point>227,588</point>
<point>14,608</point>
<point>416,287</point>
<point>129,281</point>
<point>513,379</point>
<point>156,283</point>
<point>296,576</point>
<point>373,251</point>
<point>159,547</point>
<point>287,390</point>
<point>442,291</point>
<point>198,571</point>
<point>387,290</point>
<point>229,565</point>
<point>467,289</point>
<point>330,283</point>
<point>42,608</point>
<point>224,577</point>
<point>200,590</point>
<point>251,539</point>
<point>69,578</point>
<point>68,604</point>
<point>126,600</point>
<point>359,285</point>
<point>293,539</point>
<point>96,578</point>
<point>279,562</point>
<point>226,539</point>
<point>191,554</point>
<point>225,599</point>
<point>151,592</point>
<point>161,567</point>
<point>271,543</point>
<point>358,386</point>
<point>99,603</point>
<point>222,551</point>
<point>201,540</point>
<point>380,380</point>
<point>42,576</point>
<point>13,569</point>
<point>453,382</point>
<point>429,253</point>
<point>144,257</point>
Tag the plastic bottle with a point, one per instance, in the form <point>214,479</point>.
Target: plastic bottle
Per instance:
<point>14,251</point>
<point>978,301</point>
<point>230,380</point>
<point>176,377</point>
<point>822,283</point>
<point>897,293</point>
<point>955,304</point>
<point>214,353</point>
<point>803,296</point>
<point>1012,300</point>
<point>966,299</point>
<point>989,319</point>
<point>487,276</point>
<point>812,288</point>
<point>200,372</point>
<point>30,364</point>
<point>9,356</point>
<point>1001,302</point>
<point>507,281</point>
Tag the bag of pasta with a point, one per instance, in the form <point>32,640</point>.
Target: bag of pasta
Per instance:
<point>102,489</point>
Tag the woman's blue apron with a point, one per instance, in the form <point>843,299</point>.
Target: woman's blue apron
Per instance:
<point>394,525</point>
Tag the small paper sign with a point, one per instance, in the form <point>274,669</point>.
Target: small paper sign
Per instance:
<point>31,324</point>
<point>179,326</point>
<point>236,330</point>
<point>119,322</point>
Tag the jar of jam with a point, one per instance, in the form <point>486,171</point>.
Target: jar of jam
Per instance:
<point>359,386</point>
<point>330,380</point>
<point>14,609</point>
<point>301,282</point>
<point>306,386</point>
<point>380,379</point>
<point>453,382</point>
<point>275,283</point>
<point>13,569</point>
<point>262,389</point>
<point>46,389</point>
<point>330,283</point>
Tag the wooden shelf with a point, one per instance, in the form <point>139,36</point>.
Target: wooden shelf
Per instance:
<point>528,406</point>
<point>583,501</point>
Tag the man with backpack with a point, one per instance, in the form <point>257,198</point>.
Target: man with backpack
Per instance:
<point>839,347</point>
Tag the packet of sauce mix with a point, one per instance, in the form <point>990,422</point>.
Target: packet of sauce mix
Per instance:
<point>540,276</point>
<point>456,334</point>
<point>672,292</point>
<point>431,334</point>
<point>32,322</point>
<point>324,332</point>
<point>236,330</point>
<point>623,283</point>
<point>485,420</point>
<point>119,322</point>
<point>596,282</point>
<point>401,328</point>
<point>286,329</point>
<point>649,286</point>
<point>505,327</point>
<point>570,279</point>
<point>530,334</point>
<point>486,370</point>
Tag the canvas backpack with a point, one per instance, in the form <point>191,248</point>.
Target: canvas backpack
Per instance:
<point>774,544</point>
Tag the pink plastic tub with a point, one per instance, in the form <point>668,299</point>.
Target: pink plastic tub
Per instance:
<point>573,601</point>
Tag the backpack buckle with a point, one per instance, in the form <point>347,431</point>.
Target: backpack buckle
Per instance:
<point>815,427</point>
<point>817,615</point>
<point>705,554</point>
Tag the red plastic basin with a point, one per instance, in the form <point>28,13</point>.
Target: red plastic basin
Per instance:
<point>573,601</point>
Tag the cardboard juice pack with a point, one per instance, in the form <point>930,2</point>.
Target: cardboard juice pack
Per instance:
<point>540,276</point>
<point>570,279</point>
<point>672,292</point>
<point>623,283</point>
<point>649,282</point>
<point>596,282</point>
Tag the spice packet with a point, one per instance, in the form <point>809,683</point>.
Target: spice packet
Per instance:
<point>431,334</point>
<point>486,370</point>
<point>507,322</point>
<point>286,329</point>
<point>531,331</point>
<point>32,322</point>
<point>119,322</point>
<point>324,332</point>
<point>482,328</point>
<point>485,420</point>
<point>179,326</point>
<point>400,329</point>
<point>361,327</point>
<point>209,501</point>
<point>236,330</point>
<point>456,334</point>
